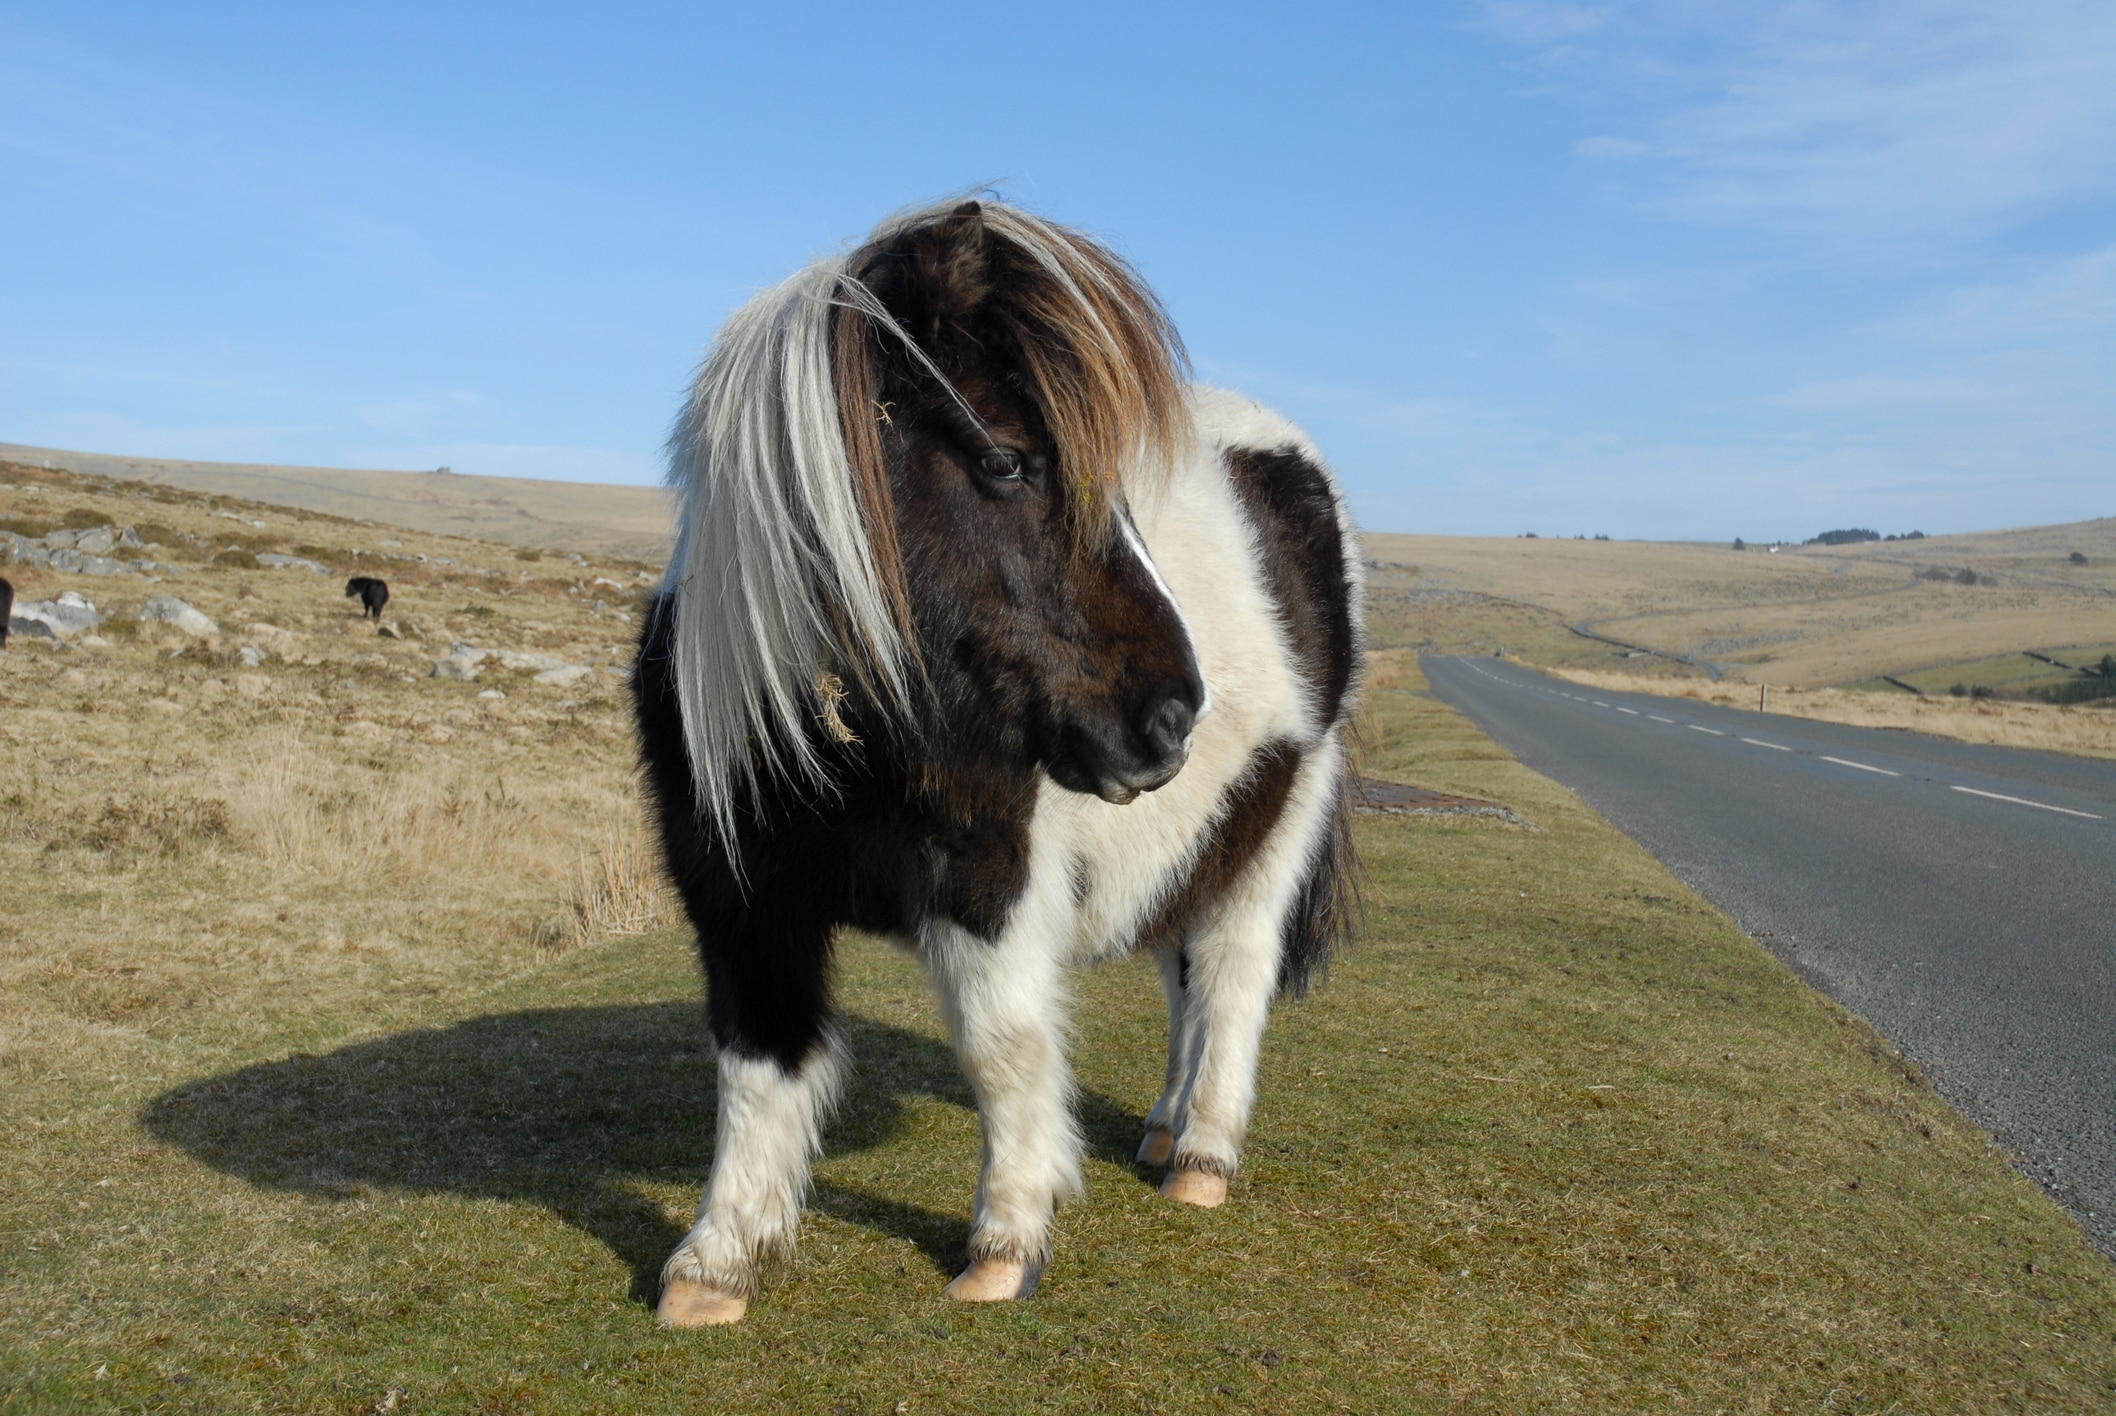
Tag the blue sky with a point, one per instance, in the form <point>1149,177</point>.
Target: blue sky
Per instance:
<point>1653,269</point>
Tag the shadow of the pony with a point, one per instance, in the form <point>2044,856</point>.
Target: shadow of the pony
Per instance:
<point>571,1109</point>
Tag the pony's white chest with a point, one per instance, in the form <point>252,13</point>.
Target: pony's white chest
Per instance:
<point>1098,870</point>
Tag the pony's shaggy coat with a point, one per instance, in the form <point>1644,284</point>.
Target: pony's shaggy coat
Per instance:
<point>988,634</point>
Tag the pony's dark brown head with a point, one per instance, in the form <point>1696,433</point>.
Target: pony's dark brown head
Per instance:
<point>999,379</point>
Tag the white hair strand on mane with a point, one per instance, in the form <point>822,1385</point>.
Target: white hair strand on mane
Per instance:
<point>772,566</point>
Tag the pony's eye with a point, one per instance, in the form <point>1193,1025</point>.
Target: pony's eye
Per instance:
<point>1001,464</point>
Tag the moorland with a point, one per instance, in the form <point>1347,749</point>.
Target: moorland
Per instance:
<point>351,1059</point>
<point>1795,616</point>
<point>1954,635</point>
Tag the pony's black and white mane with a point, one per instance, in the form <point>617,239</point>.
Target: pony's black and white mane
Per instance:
<point>786,565</point>
<point>989,634</point>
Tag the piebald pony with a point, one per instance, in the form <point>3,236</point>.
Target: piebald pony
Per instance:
<point>989,634</point>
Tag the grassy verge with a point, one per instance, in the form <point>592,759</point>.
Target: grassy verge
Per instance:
<point>2081,729</point>
<point>1555,1135</point>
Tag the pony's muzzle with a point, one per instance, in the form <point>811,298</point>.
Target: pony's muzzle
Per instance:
<point>1120,759</point>
<point>1161,747</point>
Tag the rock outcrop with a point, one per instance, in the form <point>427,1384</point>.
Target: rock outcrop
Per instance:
<point>271,639</point>
<point>76,552</point>
<point>279,562</point>
<point>463,661</point>
<point>59,619</point>
<point>170,610</point>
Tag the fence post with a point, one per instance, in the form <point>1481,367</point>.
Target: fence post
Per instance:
<point>1763,698</point>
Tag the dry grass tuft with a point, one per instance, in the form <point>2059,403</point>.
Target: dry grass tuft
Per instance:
<point>619,890</point>
<point>303,809</point>
<point>164,827</point>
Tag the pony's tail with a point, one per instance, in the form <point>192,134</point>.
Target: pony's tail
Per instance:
<point>1330,900</point>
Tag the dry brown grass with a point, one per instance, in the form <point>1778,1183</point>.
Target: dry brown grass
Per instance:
<point>186,841</point>
<point>621,889</point>
<point>2087,731</point>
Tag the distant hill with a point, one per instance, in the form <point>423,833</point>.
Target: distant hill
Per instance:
<point>1800,616</point>
<point>592,518</point>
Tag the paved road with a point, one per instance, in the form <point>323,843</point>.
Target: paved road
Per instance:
<point>1960,898</point>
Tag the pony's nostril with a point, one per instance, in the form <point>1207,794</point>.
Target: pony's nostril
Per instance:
<point>1168,727</point>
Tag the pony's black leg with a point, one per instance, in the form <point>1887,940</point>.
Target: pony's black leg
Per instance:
<point>779,1069</point>
<point>766,957</point>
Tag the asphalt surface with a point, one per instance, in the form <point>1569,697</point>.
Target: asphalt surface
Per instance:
<point>1960,898</point>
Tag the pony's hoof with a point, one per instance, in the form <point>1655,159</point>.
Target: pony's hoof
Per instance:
<point>992,1281</point>
<point>689,1304</point>
<point>1196,1187</point>
<point>1160,1143</point>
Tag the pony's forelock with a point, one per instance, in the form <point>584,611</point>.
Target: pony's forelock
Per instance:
<point>1105,364</point>
<point>787,571</point>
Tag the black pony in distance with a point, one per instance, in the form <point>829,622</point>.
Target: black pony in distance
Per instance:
<point>373,594</point>
<point>989,634</point>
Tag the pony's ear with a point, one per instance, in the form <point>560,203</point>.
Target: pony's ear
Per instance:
<point>939,276</point>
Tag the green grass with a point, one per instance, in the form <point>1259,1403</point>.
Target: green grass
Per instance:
<point>2005,673</point>
<point>2014,674</point>
<point>2098,689</point>
<point>1555,1135</point>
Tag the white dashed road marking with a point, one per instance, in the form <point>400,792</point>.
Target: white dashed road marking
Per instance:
<point>2023,801</point>
<point>1838,761</point>
<point>1843,762</point>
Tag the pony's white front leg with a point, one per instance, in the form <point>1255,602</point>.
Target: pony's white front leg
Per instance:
<point>1232,973</point>
<point>770,1130</point>
<point>1005,1004</point>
